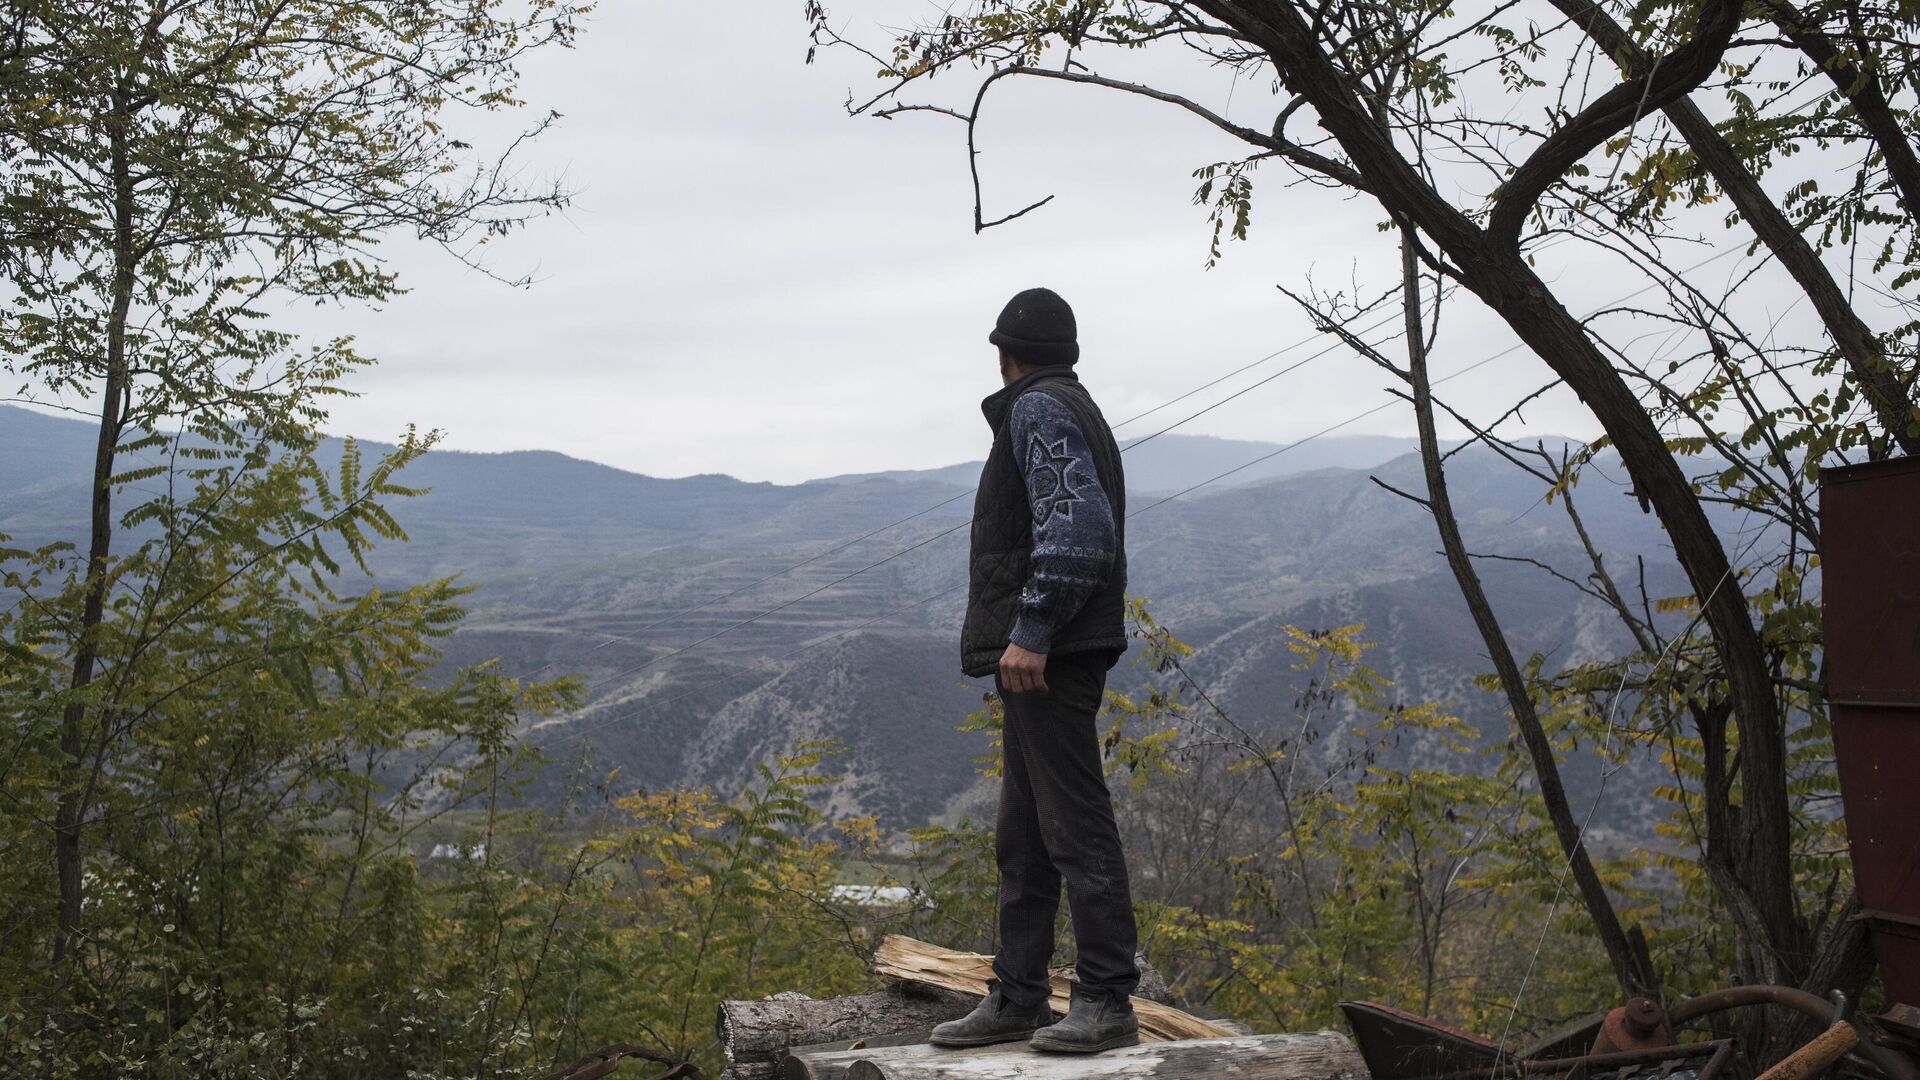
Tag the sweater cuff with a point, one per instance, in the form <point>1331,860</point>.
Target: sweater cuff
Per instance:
<point>1032,635</point>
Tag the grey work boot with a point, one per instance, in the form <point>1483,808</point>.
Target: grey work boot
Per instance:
<point>1097,1021</point>
<point>994,1020</point>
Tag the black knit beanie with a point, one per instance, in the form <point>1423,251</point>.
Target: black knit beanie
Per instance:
<point>1036,327</point>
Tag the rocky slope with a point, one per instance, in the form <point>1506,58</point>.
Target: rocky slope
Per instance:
<point>702,651</point>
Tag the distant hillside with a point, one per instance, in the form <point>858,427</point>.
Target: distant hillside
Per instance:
<point>618,578</point>
<point>1169,462</point>
<point>546,532</point>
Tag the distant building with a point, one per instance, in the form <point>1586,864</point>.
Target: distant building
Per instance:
<point>873,896</point>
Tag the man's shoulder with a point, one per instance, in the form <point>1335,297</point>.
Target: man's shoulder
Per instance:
<point>1051,401</point>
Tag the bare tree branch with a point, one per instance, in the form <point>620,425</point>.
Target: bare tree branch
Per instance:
<point>1667,79</point>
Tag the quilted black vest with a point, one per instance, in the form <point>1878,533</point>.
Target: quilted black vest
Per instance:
<point>1002,554</point>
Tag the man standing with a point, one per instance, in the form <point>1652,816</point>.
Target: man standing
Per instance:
<point>1045,616</point>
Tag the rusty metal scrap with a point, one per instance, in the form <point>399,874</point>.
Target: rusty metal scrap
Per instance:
<point>1870,599</point>
<point>1399,1045</point>
<point>1640,1024</point>
<point>1632,1042</point>
<point>1690,1061</point>
<point>1891,1062</point>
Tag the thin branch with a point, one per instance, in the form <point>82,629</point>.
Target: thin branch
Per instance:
<point>1668,79</point>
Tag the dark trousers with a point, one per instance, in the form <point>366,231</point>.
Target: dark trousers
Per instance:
<point>1055,820</point>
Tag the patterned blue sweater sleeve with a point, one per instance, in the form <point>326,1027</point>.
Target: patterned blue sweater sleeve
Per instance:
<point>1073,527</point>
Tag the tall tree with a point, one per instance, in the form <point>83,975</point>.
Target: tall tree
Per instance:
<point>172,167</point>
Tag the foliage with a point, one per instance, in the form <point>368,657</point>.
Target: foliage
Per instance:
<point>1270,885</point>
<point>1280,866</point>
<point>1410,885</point>
<point>225,747</point>
<point>728,899</point>
<point>170,170</point>
<point>1626,133</point>
<point>272,747</point>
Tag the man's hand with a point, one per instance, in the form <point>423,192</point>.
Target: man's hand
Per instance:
<point>1022,670</point>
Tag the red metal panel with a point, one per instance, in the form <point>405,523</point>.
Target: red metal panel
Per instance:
<point>1870,589</point>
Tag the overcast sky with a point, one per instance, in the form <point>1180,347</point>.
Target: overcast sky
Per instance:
<point>751,282</point>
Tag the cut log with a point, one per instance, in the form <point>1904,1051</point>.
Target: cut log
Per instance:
<point>804,1064</point>
<point>1234,1027</point>
<point>830,1061</point>
<point>1322,1055</point>
<point>758,1033</point>
<point>914,961</point>
<point>1153,985</point>
<point>911,1038</point>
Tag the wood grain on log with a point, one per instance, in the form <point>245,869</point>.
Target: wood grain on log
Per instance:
<point>1323,1055</point>
<point>916,961</point>
<point>759,1032</point>
<point>911,1038</point>
<point>833,1064</point>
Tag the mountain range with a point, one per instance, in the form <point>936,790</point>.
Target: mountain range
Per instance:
<point>715,621</point>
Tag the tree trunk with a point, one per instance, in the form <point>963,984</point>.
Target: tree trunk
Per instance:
<point>1495,270</point>
<point>77,776</point>
<point>1634,976</point>
<point>1762,831</point>
<point>1321,1055</point>
<point>1880,385</point>
<point>1861,87</point>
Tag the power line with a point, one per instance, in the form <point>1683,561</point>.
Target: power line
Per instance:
<point>1295,366</point>
<point>1509,350</point>
<point>955,588</point>
<point>649,662</point>
<point>630,638</point>
<point>1276,354</point>
<point>1151,506</point>
<point>596,725</point>
<point>1330,429</point>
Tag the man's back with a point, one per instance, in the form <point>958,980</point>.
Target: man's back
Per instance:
<point>1048,564</point>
